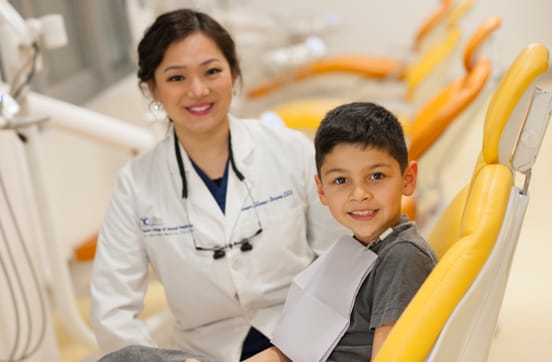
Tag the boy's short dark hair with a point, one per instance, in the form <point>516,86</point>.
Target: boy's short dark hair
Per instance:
<point>361,123</point>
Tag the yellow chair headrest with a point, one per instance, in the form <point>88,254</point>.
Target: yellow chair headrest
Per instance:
<point>531,62</point>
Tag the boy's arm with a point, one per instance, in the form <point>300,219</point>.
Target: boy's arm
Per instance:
<point>400,275</point>
<point>380,334</point>
<point>272,354</point>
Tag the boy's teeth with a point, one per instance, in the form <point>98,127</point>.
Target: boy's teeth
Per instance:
<point>363,213</point>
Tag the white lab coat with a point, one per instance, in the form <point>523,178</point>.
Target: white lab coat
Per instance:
<point>214,302</point>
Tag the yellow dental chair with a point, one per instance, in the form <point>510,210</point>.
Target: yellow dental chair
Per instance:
<point>305,114</point>
<point>454,314</point>
<point>433,46</point>
<point>432,120</point>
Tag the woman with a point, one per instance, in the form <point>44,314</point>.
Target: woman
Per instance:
<point>224,210</point>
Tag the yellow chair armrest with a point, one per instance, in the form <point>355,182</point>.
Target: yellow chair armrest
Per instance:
<point>364,65</point>
<point>432,22</point>
<point>436,116</point>
<point>427,61</point>
<point>478,38</point>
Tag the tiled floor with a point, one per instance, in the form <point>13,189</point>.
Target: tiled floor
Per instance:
<point>524,330</point>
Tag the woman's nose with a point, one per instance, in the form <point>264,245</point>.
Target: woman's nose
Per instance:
<point>198,88</point>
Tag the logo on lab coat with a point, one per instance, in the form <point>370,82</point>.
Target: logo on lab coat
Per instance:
<point>154,226</point>
<point>146,221</point>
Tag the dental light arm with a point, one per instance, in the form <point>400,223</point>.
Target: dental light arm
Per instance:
<point>20,45</point>
<point>20,50</point>
<point>17,25</point>
<point>49,28</point>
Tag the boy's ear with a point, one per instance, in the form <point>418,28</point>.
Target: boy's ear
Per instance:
<point>321,194</point>
<point>409,178</point>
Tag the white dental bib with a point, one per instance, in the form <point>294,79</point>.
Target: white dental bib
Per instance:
<point>320,300</point>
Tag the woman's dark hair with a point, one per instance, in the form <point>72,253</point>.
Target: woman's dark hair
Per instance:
<point>176,25</point>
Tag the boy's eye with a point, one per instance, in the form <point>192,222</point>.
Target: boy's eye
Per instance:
<point>176,78</point>
<point>340,180</point>
<point>377,176</point>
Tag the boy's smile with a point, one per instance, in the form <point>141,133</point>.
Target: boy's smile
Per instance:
<point>363,188</point>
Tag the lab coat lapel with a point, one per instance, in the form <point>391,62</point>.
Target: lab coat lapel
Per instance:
<point>237,195</point>
<point>200,201</point>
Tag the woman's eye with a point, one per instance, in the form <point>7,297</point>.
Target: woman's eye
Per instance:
<point>176,78</point>
<point>340,180</point>
<point>213,71</point>
<point>377,176</point>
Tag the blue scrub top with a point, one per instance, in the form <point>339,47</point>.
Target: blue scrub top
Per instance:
<point>217,187</point>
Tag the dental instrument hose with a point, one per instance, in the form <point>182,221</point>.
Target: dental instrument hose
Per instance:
<point>28,349</point>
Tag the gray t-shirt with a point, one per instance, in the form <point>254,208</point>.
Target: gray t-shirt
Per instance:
<point>136,353</point>
<point>404,261</point>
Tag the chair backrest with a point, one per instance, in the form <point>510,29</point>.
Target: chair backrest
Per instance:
<point>440,111</point>
<point>453,315</point>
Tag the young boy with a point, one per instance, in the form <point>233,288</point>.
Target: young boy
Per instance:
<point>362,174</point>
<point>343,306</point>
